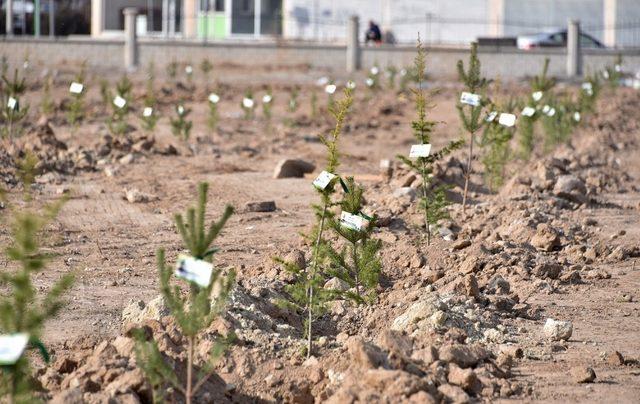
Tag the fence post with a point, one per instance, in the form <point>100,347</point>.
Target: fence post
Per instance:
<point>574,57</point>
<point>9,18</point>
<point>130,38</point>
<point>353,45</point>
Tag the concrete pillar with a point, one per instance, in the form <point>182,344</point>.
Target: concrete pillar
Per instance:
<point>130,38</point>
<point>574,56</point>
<point>36,18</point>
<point>496,18</point>
<point>189,14</point>
<point>52,19</point>
<point>610,11</point>
<point>353,44</point>
<point>97,17</point>
<point>9,18</point>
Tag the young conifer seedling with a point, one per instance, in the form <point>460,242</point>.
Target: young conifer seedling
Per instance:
<point>149,96</point>
<point>613,74</point>
<point>267,102</point>
<point>589,92</point>
<point>13,111</point>
<point>180,126</point>
<point>212,118</point>
<point>306,294</point>
<point>497,134</point>
<point>209,289</point>
<point>357,263</point>
<point>23,311</point>
<point>75,112</point>
<point>172,69</point>
<point>421,160</point>
<point>470,107</point>
<point>314,105</point>
<point>541,86</point>
<point>120,107</point>
<point>391,74</point>
<point>293,99</point>
<point>248,105</point>
<point>206,67</point>
<point>47,106</point>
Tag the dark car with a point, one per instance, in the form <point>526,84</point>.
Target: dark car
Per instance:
<point>555,39</point>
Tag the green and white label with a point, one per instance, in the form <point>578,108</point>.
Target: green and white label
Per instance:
<point>470,99</point>
<point>528,111</point>
<point>507,119</point>
<point>420,150</point>
<point>76,88</point>
<point>323,180</point>
<point>353,222</point>
<point>119,102</point>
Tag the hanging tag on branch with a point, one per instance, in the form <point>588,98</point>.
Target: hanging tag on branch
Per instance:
<point>11,347</point>
<point>470,99</point>
<point>330,88</point>
<point>353,222</point>
<point>247,103</point>
<point>12,104</point>
<point>507,119</point>
<point>119,102</point>
<point>76,88</point>
<point>537,96</point>
<point>214,98</point>
<point>492,116</point>
<point>194,270</point>
<point>528,111</point>
<point>147,112</point>
<point>324,179</point>
<point>420,150</point>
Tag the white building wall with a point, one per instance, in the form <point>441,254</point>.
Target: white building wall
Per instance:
<point>627,26</point>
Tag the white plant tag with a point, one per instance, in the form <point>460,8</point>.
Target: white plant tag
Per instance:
<point>188,70</point>
<point>587,86</point>
<point>420,150</point>
<point>330,88</point>
<point>11,347</point>
<point>537,96</point>
<point>618,68</point>
<point>353,222</point>
<point>194,270</point>
<point>247,103</point>
<point>551,112</point>
<point>470,99</point>
<point>214,98</point>
<point>369,82</point>
<point>323,180</point>
<point>266,99</point>
<point>351,85</point>
<point>546,109</point>
<point>76,88</point>
<point>576,116</point>
<point>528,111</point>
<point>492,116</point>
<point>323,81</point>
<point>507,119</point>
<point>375,70</point>
<point>119,102</point>
<point>147,112</point>
<point>12,103</point>
<point>180,110</point>
<point>605,74</point>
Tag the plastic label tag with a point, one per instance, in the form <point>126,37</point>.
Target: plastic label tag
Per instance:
<point>12,103</point>
<point>528,111</point>
<point>267,99</point>
<point>618,68</point>
<point>369,82</point>
<point>537,96</point>
<point>351,85</point>
<point>492,116</point>
<point>322,81</point>
<point>330,88</point>
<point>420,150</point>
<point>76,88</point>
<point>188,70</point>
<point>147,112</point>
<point>551,112</point>
<point>119,102</point>
<point>507,119</point>
<point>180,110</point>
<point>11,347</point>
<point>247,103</point>
<point>214,98</point>
<point>470,99</point>
<point>353,222</point>
<point>605,74</point>
<point>576,116</point>
<point>323,180</point>
<point>374,70</point>
<point>194,270</point>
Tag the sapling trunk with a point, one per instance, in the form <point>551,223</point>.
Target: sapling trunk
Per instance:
<point>467,173</point>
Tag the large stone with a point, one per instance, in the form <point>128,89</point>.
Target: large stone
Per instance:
<point>546,238</point>
<point>336,284</point>
<point>465,378</point>
<point>364,354</point>
<point>293,168</point>
<point>418,311</point>
<point>464,355</point>
<point>453,394</point>
<point>71,396</point>
<point>397,344</point>
<point>263,206</point>
<point>557,330</point>
<point>138,312</point>
<point>571,188</point>
<point>583,374</point>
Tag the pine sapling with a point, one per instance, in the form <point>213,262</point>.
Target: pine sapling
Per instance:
<point>22,311</point>
<point>306,294</point>
<point>293,99</point>
<point>172,69</point>
<point>357,263</point>
<point>589,92</point>
<point>13,111</point>
<point>206,67</point>
<point>120,107</point>
<point>495,138</point>
<point>613,74</point>
<point>204,303</point>
<point>180,126</point>
<point>391,72</point>
<point>149,96</point>
<point>47,106</point>
<point>267,102</point>
<point>314,105</point>
<point>212,118</point>
<point>431,198</point>
<point>470,107</point>
<point>248,105</point>
<point>75,111</point>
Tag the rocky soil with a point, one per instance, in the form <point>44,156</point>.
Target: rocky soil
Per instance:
<point>531,294</point>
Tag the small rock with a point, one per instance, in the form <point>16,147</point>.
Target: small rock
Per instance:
<point>461,244</point>
<point>463,355</point>
<point>363,353</point>
<point>582,374</point>
<point>453,394</point>
<point>614,358</point>
<point>264,206</point>
<point>336,284</point>
<point>465,378</point>
<point>546,238</point>
<point>557,330</point>
<point>293,168</point>
<point>471,286</point>
<point>297,258</point>
<point>135,196</point>
<point>405,192</point>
